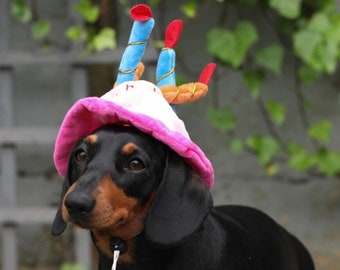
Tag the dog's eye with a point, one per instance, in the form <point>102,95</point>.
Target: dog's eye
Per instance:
<point>80,155</point>
<point>136,165</point>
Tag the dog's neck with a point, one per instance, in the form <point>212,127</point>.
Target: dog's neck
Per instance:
<point>126,233</point>
<point>106,239</point>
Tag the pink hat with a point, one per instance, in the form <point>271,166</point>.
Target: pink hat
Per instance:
<point>135,103</point>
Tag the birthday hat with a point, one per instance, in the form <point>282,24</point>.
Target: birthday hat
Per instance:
<point>138,103</point>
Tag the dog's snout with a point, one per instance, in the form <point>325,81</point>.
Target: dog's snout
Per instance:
<point>79,204</point>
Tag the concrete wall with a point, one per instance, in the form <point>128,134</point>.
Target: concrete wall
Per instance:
<point>309,207</point>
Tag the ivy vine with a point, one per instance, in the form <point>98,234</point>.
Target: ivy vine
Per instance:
<point>308,30</point>
<point>86,33</point>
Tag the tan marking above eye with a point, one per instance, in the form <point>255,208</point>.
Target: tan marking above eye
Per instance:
<point>129,148</point>
<point>91,139</point>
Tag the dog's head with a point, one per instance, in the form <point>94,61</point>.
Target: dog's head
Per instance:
<point>121,181</point>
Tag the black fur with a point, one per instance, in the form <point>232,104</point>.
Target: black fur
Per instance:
<point>182,228</point>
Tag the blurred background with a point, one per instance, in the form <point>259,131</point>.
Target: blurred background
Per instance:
<point>270,122</point>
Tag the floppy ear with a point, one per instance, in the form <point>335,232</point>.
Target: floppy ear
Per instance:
<point>59,225</point>
<point>181,205</point>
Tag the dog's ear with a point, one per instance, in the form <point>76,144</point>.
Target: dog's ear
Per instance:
<point>59,225</point>
<point>180,206</point>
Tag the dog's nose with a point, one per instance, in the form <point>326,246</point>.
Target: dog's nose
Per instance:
<point>79,204</point>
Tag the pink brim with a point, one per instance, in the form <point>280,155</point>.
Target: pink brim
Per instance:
<point>90,113</point>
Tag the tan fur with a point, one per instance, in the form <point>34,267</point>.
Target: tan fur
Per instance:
<point>114,215</point>
<point>91,139</point>
<point>129,148</point>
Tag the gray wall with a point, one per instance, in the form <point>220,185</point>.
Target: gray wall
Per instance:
<point>309,207</point>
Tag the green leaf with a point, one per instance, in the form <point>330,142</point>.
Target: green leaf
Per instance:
<point>300,159</point>
<point>326,55</point>
<point>305,43</point>
<point>71,266</point>
<point>321,131</point>
<point>319,23</point>
<point>328,162</point>
<point>246,33</point>
<point>235,145</point>
<point>21,11</point>
<point>265,148</point>
<point>189,9</point>
<point>76,33</point>
<point>254,81</point>
<point>105,39</point>
<point>223,120</point>
<point>221,43</point>
<point>318,42</point>
<point>287,8</point>
<point>40,29</point>
<point>88,11</point>
<point>270,57</point>
<point>277,112</point>
<point>231,47</point>
<point>308,75</point>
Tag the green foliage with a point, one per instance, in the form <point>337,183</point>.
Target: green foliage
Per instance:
<point>266,148</point>
<point>270,57</point>
<point>328,162</point>
<point>235,145</point>
<point>254,80</point>
<point>88,11</point>
<point>305,30</point>
<point>321,131</point>
<point>287,8</point>
<point>308,74</point>
<point>322,160</point>
<point>231,47</point>
<point>71,266</point>
<point>94,40</point>
<point>300,158</point>
<point>189,9</point>
<point>76,33</point>
<point>21,11</point>
<point>276,111</point>
<point>317,42</point>
<point>105,39</point>
<point>40,29</point>
<point>222,119</point>
<point>308,31</point>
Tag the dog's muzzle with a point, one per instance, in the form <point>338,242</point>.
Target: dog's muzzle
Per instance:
<point>79,204</point>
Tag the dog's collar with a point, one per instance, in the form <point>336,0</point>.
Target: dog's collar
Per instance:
<point>118,247</point>
<point>117,243</point>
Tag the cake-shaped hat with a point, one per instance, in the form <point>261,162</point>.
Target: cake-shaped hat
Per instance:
<point>139,103</point>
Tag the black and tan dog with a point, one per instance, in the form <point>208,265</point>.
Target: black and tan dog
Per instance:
<point>128,188</point>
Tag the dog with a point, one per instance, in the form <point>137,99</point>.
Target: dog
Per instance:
<point>135,194</point>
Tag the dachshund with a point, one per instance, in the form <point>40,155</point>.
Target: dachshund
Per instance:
<point>134,193</point>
